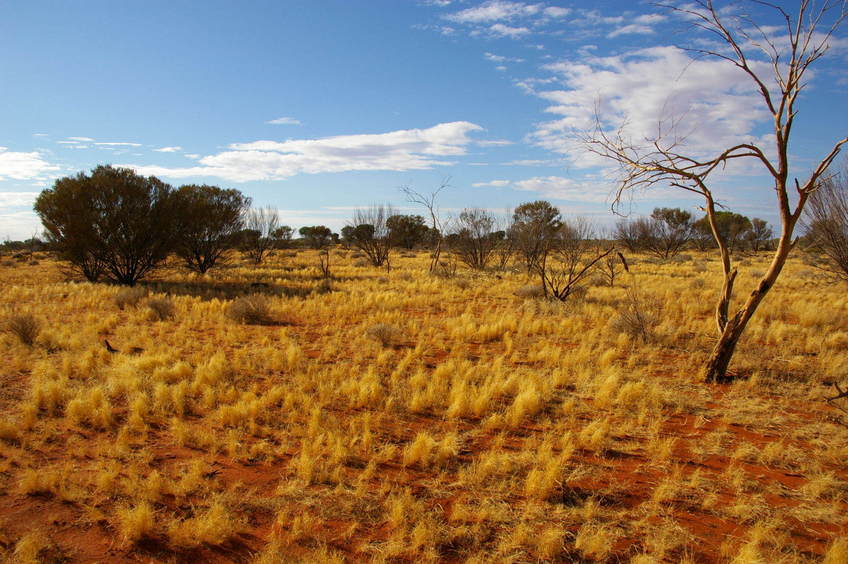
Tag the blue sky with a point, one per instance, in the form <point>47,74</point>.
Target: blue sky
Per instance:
<point>317,107</point>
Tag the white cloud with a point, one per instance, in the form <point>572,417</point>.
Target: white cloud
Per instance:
<point>557,12</point>
<point>495,10</point>
<point>502,30</point>
<point>118,144</point>
<point>410,149</point>
<point>558,188</point>
<point>23,166</point>
<point>494,143</point>
<point>501,59</point>
<point>708,103</point>
<point>17,199</point>
<point>633,29</point>
<point>284,121</point>
<point>168,149</point>
<point>193,156</point>
<point>495,183</point>
<point>81,139</point>
<point>19,225</point>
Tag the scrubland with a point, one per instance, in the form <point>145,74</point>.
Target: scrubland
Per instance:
<point>396,416</point>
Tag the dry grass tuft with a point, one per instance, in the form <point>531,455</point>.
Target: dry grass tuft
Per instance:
<point>130,297</point>
<point>530,291</point>
<point>386,334</point>
<point>251,310</point>
<point>161,309</point>
<point>24,326</point>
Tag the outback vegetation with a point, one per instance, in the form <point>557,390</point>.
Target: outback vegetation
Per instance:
<point>184,381</point>
<point>248,415</point>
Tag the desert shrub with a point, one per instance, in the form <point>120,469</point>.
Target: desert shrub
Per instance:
<point>530,291</point>
<point>361,263</point>
<point>699,266</point>
<point>638,316</point>
<point>33,263</point>
<point>252,310</point>
<point>697,283</point>
<point>24,326</point>
<point>357,255</point>
<point>130,296</point>
<point>161,308</point>
<point>384,333</point>
<point>7,263</point>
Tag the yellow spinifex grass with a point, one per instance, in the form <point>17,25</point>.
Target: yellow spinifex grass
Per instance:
<point>410,417</point>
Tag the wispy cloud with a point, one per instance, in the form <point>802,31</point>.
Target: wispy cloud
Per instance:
<point>23,165</point>
<point>501,58</point>
<point>556,188</point>
<point>495,10</point>
<point>17,199</point>
<point>117,144</point>
<point>174,149</point>
<point>704,103</point>
<point>503,30</point>
<point>409,149</point>
<point>284,121</point>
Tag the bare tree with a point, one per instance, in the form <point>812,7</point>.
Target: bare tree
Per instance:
<point>661,161</point>
<point>436,224</point>
<point>371,234</point>
<point>260,225</point>
<point>570,257</point>
<point>826,221</point>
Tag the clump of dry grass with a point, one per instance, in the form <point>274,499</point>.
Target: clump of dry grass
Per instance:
<point>24,326</point>
<point>252,310</point>
<point>638,316</point>
<point>130,297</point>
<point>384,333</point>
<point>161,308</point>
<point>530,291</point>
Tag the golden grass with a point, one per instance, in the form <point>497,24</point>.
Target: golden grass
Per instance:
<point>407,417</point>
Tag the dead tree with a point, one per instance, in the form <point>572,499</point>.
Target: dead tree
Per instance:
<point>436,225</point>
<point>660,161</point>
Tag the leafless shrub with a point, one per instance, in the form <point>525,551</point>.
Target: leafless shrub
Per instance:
<point>826,221</point>
<point>130,297</point>
<point>361,263</point>
<point>638,316</point>
<point>384,333</point>
<point>161,308</point>
<point>252,310</point>
<point>697,283</point>
<point>699,266</point>
<point>24,326</point>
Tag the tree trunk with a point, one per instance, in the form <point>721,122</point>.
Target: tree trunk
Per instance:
<point>715,369</point>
